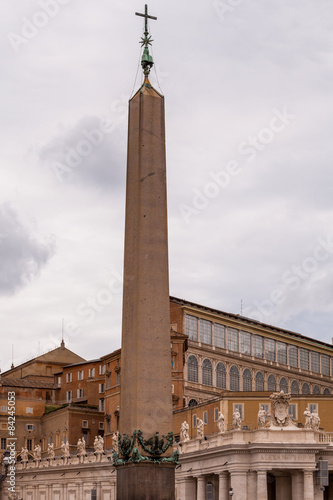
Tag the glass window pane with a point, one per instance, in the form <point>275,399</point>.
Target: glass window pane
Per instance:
<point>207,372</point>
<point>293,356</point>
<point>219,335</point>
<point>205,331</point>
<point>247,380</point>
<point>191,327</point>
<point>294,387</point>
<point>221,376</point>
<point>281,352</point>
<point>234,378</point>
<point>245,343</point>
<point>304,359</point>
<point>305,388</point>
<point>232,337</point>
<point>270,349</point>
<point>259,381</point>
<point>192,369</point>
<point>258,346</point>
<point>325,365</point>
<point>315,362</point>
<point>271,383</point>
<point>284,385</point>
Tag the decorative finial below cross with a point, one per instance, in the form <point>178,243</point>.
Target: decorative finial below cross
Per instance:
<point>147,59</point>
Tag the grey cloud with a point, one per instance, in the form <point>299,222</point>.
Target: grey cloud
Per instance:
<point>92,152</point>
<point>22,256</point>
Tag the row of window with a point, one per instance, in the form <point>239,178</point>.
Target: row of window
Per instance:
<point>234,379</point>
<point>28,409</point>
<point>205,331</point>
<point>80,374</point>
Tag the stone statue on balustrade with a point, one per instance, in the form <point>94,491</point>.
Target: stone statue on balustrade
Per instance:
<point>236,420</point>
<point>312,420</point>
<point>65,449</point>
<point>200,428</point>
<point>50,451</point>
<point>315,421</point>
<point>37,453</point>
<point>24,454</point>
<point>115,445</point>
<point>280,417</point>
<point>184,435</point>
<point>220,422</point>
<point>262,414</point>
<point>99,445</point>
<point>308,417</point>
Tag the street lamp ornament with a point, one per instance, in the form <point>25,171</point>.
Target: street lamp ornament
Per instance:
<point>146,60</point>
<point>231,493</point>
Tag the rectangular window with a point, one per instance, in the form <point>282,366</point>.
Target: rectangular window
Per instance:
<point>29,444</point>
<point>4,408</point>
<point>117,378</point>
<point>101,369</point>
<point>29,409</point>
<point>304,359</point>
<point>50,440</point>
<point>240,408</point>
<point>281,352</point>
<point>232,339</point>
<point>29,427</point>
<point>91,372</point>
<point>101,405</point>
<point>292,411</point>
<point>108,381</point>
<point>315,362</point>
<point>108,426</point>
<point>69,377</point>
<point>101,426</point>
<point>270,349</point>
<point>219,335</point>
<point>84,423</point>
<point>94,494</point>
<point>4,426</point>
<point>80,375</point>
<point>3,443</point>
<point>245,343</point>
<point>205,331</point>
<point>265,407</point>
<point>325,365</point>
<point>69,396</point>
<point>293,356</point>
<point>216,414</point>
<point>79,393</point>
<point>59,381</point>
<point>205,417</point>
<point>258,346</point>
<point>313,407</point>
<point>194,421</point>
<point>191,327</point>
<point>101,388</point>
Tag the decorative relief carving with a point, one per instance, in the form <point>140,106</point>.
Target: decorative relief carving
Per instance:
<point>280,416</point>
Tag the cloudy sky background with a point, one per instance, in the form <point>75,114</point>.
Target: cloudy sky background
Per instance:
<point>248,87</point>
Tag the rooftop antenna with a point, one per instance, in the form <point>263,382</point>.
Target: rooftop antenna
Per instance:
<point>241,307</point>
<point>12,357</point>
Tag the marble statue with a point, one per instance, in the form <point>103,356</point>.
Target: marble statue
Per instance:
<point>65,449</point>
<point>184,436</point>
<point>262,414</point>
<point>308,418</point>
<point>81,447</point>
<point>236,419</point>
<point>24,454</point>
<point>37,452</point>
<point>200,428</point>
<point>99,445</point>
<point>220,422</point>
<point>115,446</point>
<point>315,421</point>
<point>50,450</point>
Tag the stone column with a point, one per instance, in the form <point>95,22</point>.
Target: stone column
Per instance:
<point>297,485</point>
<point>261,485</point>
<point>223,486</point>
<point>251,485</point>
<point>201,488</point>
<point>239,484</point>
<point>308,485</point>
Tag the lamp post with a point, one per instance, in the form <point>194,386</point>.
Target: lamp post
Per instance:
<point>231,493</point>
<point>5,463</point>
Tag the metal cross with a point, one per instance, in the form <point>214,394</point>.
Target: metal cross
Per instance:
<point>145,15</point>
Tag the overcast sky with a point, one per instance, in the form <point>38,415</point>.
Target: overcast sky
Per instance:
<point>248,91</point>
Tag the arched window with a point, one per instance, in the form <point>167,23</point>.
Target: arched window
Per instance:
<point>207,372</point>
<point>283,385</point>
<point>259,381</point>
<point>234,378</point>
<point>294,387</point>
<point>192,369</point>
<point>271,383</point>
<point>192,402</point>
<point>327,391</point>
<point>247,380</point>
<point>316,390</point>
<point>221,378</point>
<point>305,388</point>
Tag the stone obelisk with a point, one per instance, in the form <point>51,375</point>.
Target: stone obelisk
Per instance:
<point>145,467</point>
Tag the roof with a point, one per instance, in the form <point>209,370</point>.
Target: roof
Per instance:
<point>251,321</point>
<point>25,382</point>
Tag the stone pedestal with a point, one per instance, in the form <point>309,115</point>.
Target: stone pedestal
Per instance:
<point>146,482</point>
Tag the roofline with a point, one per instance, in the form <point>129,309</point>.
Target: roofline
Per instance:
<point>251,321</point>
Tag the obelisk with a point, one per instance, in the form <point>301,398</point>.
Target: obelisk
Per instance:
<point>145,467</point>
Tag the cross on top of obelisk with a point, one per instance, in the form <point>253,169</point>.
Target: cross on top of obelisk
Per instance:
<point>147,59</point>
